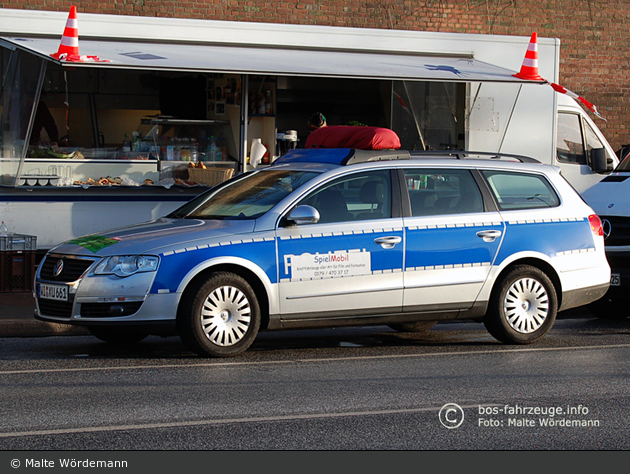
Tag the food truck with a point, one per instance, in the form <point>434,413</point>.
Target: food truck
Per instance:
<point>153,111</point>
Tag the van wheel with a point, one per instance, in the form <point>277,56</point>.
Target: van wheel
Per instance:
<point>220,317</point>
<point>523,306</point>
<point>118,335</point>
<point>610,309</point>
<point>415,326</point>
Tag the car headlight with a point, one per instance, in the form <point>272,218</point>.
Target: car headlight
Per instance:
<point>126,265</point>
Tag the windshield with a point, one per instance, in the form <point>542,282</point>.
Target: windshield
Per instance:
<point>247,197</point>
<point>624,165</point>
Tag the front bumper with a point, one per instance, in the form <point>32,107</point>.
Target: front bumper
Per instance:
<point>160,307</point>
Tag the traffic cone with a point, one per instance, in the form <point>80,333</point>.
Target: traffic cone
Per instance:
<point>529,69</point>
<point>69,46</point>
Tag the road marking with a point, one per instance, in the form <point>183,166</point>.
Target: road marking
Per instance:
<point>226,421</point>
<point>222,364</point>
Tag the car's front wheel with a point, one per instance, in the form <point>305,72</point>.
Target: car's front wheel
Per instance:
<point>220,317</point>
<point>523,306</point>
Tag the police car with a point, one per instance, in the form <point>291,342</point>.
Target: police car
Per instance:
<point>336,237</point>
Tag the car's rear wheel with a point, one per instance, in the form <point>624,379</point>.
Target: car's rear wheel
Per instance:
<point>415,326</point>
<point>523,306</point>
<point>220,317</point>
<point>118,335</point>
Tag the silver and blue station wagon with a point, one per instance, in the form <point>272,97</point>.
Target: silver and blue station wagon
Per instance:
<point>339,237</point>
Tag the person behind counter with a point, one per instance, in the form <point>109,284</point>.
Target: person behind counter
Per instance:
<point>44,121</point>
<point>316,121</point>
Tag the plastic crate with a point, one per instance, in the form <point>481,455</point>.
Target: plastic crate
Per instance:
<point>17,270</point>
<point>18,242</point>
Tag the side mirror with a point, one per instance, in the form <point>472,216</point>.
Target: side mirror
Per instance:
<point>599,163</point>
<point>303,215</point>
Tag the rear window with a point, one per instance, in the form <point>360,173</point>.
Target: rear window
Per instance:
<point>521,191</point>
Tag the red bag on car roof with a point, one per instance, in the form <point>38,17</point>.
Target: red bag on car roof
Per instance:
<point>350,136</point>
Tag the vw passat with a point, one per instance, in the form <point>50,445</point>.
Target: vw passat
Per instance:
<point>332,237</point>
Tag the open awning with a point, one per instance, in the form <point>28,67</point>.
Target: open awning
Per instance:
<point>261,60</point>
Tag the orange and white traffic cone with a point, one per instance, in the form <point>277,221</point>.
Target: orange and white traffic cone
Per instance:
<point>69,46</point>
<point>529,72</point>
<point>529,69</point>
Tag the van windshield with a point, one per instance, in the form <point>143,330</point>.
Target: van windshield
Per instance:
<point>624,165</point>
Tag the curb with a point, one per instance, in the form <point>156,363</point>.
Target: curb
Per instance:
<point>34,328</point>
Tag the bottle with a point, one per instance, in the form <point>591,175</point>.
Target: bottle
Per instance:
<point>209,156</point>
<point>126,144</point>
<point>224,149</point>
<point>194,150</point>
<point>268,104</point>
<point>185,150</point>
<point>170,150</point>
<point>135,140</point>
<point>214,156</point>
<point>4,230</point>
<point>265,158</point>
<point>261,104</point>
<point>178,149</point>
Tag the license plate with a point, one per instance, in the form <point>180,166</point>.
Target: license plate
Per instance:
<point>53,292</point>
<point>615,279</point>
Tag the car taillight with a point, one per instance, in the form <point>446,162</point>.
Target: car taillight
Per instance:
<point>596,225</point>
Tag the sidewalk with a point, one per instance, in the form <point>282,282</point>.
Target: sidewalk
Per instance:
<point>17,320</point>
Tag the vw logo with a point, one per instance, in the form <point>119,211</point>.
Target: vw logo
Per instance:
<point>607,227</point>
<point>58,268</point>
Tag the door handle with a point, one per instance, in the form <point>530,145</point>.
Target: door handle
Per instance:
<point>489,235</point>
<point>388,242</point>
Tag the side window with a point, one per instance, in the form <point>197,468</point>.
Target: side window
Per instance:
<point>357,197</point>
<point>442,191</point>
<point>569,144</point>
<point>593,142</point>
<point>521,191</point>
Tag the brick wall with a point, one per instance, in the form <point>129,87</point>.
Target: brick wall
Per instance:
<point>595,42</point>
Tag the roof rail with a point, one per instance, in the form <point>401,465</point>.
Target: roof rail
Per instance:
<point>472,155</point>
<point>350,156</point>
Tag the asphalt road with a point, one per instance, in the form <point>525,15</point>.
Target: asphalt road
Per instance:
<point>454,388</point>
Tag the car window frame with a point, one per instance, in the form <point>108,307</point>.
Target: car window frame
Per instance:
<point>395,197</point>
<point>541,176</point>
<point>489,203</point>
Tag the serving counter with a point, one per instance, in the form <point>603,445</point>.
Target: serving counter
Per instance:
<point>62,199</point>
<point>58,213</point>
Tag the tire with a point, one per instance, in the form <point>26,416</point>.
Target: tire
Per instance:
<point>220,317</point>
<point>523,306</point>
<point>415,326</point>
<point>118,335</point>
<point>609,309</point>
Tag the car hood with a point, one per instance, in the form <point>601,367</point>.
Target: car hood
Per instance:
<point>610,196</point>
<point>154,237</point>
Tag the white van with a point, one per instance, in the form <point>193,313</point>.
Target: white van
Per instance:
<point>550,127</point>
<point>610,199</point>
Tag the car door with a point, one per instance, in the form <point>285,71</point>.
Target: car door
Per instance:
<point>452,239</point>
<point>349,264</point>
